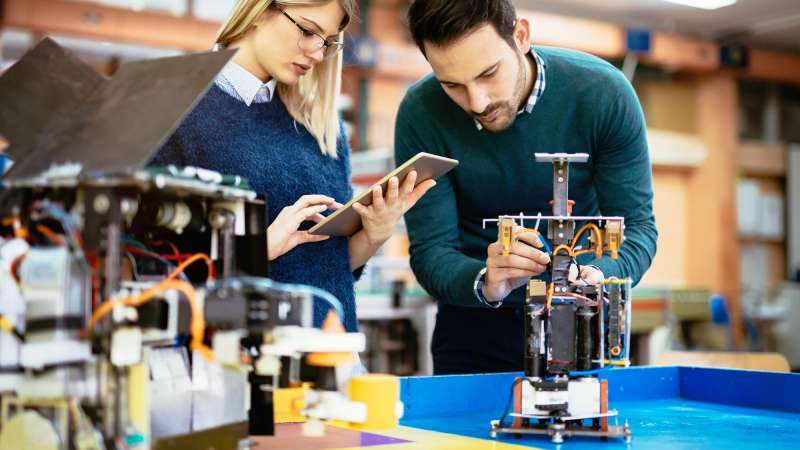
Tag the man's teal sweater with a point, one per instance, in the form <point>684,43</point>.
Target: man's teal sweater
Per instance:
<point>587,107</point>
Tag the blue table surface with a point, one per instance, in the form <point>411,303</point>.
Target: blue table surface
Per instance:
<point>666,407</point>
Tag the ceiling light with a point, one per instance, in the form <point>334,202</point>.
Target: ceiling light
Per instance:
<point>704,4</point>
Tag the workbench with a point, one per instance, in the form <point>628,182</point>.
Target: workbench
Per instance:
<point>666,407</point>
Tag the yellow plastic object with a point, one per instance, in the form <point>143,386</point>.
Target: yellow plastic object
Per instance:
<point>381,393</point>
<point>139,398</point>
<point>287,404</point>
<point>29,430</point>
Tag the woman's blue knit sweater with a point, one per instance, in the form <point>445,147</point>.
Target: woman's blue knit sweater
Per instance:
<point>282,160</point>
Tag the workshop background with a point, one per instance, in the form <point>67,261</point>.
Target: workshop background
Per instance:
<point>719,81</point>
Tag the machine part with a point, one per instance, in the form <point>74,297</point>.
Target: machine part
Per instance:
<point>219,394</point>
<point>505,231</point>
<point>91,127</point>
<point>174,216</point>
<point>12,304</point>
<point>223,222</point>
<point>585,338</point>
<point>616,319</point>
<point>561,341</point>
<point>170,392</point>
<point>612,432</point>
<point>250,248</point>
<point>584,396</point>
<point>226,346</point>
<point>332,405</point>
<point>55,286</point>
<point>242,303</point>
<point>30,431</point>
<point>126,346</point>
<point>381,396</point>
<point>535,349</point>
<point>261,415</point>
<point>159,319</point>
<point>139,397</point>
<point>613,236</point>
<point>560,271</point>
<point>543,398</point>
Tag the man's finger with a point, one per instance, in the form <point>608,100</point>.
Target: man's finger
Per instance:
<point>513,261</point>
<point>526,251</point>
<point>530,237</point>
<point>507,274</point>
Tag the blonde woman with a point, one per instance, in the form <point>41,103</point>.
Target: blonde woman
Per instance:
<point>270,117</point>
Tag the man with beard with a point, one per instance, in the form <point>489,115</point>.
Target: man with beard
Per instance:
<point>493,101</point>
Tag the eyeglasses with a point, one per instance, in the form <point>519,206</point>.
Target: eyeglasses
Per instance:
<point>310,41</point>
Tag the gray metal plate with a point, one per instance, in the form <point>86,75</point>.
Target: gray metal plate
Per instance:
<point>43,85</point>
<point>122,123</point>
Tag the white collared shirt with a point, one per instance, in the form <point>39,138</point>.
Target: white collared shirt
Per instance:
<point>242,85</point>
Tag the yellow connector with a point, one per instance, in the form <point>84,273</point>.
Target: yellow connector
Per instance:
<point>613,237</point>
<point>505,234</point>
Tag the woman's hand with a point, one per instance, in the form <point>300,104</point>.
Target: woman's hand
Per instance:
<point>380,217</point>
<point>282,234</point>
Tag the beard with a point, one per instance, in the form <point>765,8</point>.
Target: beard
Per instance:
<point>506,110</point>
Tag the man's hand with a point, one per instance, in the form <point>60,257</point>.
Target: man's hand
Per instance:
<point>589,275</point>
<point>506,273</point>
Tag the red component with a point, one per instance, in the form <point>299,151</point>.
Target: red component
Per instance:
<point>517,402</point>
<point>570,204</point>
<point>604,404</point>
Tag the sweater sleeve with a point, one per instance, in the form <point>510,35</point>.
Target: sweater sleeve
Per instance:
<point>437,259</point>
<point>624,185</point>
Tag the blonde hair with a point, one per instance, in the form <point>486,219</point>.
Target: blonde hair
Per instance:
<point>312,101</point>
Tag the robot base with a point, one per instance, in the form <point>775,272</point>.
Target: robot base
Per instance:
<point>558,430</point>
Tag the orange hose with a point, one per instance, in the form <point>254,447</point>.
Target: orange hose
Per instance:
<point>198,320</point>
<point>562,247</point>
<point>182,266</point>
<point>598,245</point>
<point>50,234</point>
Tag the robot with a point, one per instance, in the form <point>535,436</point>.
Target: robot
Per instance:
<point>573,331</point>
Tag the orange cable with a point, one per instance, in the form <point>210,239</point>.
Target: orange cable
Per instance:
<point>50,234</point>
<point>182,266</point>
<point>198,320</point>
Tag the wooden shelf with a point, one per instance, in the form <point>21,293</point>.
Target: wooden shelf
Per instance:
<point>757,158</point>
<point>107,23</point>
<point>752,239</point>
<point>669,149</point>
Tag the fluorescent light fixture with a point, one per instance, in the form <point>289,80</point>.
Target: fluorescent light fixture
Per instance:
<point>704,4</point>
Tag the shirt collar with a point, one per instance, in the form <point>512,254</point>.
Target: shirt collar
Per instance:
<point>246,86</point>
<point>538,87</point>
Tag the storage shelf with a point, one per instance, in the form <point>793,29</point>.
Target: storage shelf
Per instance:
<point>757,158</point>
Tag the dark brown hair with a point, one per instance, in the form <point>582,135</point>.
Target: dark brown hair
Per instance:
<point>441,22</point>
